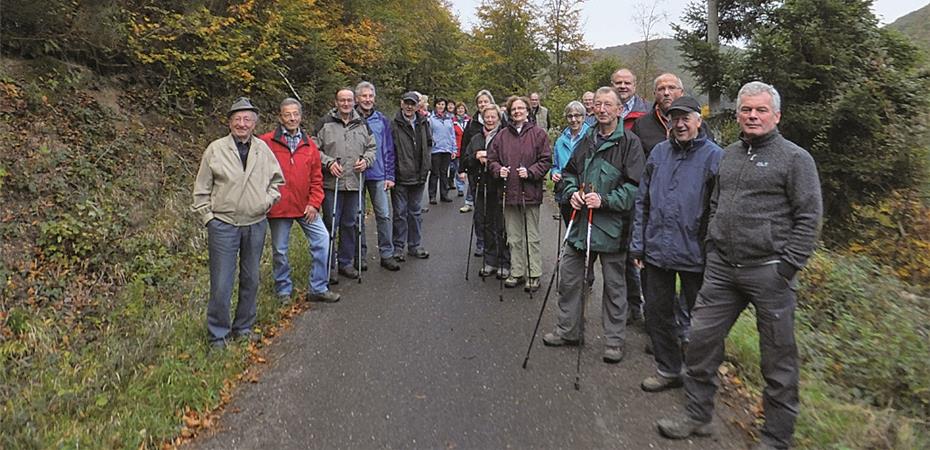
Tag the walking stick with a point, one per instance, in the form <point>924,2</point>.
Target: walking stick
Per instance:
<point>584,298</point>
<point>526,237</point>
<point>558,261</point>
<point>471,235</point>
<point>332,229</point>
<point>358,221</point>
<point>501,237</point>
<point>482,180</point>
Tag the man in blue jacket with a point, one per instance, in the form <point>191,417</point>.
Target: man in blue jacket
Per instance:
<point>668,227</point>
<point>379,178</point>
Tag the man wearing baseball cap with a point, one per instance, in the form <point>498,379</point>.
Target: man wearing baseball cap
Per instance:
<point>669,224</point>
<point>236,185</point>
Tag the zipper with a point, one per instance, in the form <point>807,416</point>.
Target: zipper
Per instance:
<point>739,180</point>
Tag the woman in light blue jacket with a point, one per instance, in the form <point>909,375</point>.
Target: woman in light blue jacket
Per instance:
<point>564,147</point>
<point>444,147</point>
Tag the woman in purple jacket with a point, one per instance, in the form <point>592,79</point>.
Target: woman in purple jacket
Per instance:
<point>521,156</point>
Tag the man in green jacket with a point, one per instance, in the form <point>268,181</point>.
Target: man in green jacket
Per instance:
<point>235,188</point>
<point>607,163</point>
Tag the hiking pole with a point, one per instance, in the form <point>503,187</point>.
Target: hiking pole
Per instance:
<point>584,298</point>
<point>558,252</point>
<point>482,180</point>
<point>471,235</point>
<point>501,239</point>
<point>526,237</point>
<point>558,261</point>
<point>332,230</point>
<point>359,219</point>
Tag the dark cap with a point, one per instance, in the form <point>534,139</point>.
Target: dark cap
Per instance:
<point>242,104</point>
<point>686,104</point>
<point>412,96</point>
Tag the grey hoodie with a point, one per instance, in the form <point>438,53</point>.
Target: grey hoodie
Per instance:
<point>766,205</point>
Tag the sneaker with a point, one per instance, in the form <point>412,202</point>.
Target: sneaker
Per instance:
<point>325,297</point>
<point>503,273</point>
<point>466,208</point>
<point>682,427</point>
<point>390,264</point>
<point>348,272</point>
<point>532,285</point>
<point>512,281</point>
<point>420,253</point>
<point>658,383</point>
<point>487,271</point>
<point>613,355</point>
<point>399,257</point>
<point>555,340</point>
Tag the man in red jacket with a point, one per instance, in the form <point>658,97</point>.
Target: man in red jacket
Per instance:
<point>301,199</point>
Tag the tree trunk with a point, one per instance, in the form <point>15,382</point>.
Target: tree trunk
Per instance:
<point>713,38</point>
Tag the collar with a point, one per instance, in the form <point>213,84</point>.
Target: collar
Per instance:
<point>759,141</point>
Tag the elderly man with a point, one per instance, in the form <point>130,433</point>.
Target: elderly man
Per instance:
<point>411,135</point>
<point>668,228</point>
<point>587,99</point>
<point>539,114</point>
<point>654,127</point>
<point>765,214</point>
<point>634,107</point>
<point>301,200</point>
<point>236,185</point>
<point>601,178</point>
<point>345,142</point>
<point>379,178</point>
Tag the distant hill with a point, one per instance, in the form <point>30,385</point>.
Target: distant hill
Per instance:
<point>915,25</point>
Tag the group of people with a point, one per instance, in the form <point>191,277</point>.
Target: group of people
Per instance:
<point>686,232</point>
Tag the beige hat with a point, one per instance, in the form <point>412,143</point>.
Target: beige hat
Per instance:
<point>242,104</point>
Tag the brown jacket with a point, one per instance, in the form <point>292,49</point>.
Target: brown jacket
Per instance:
<point>529,148</point>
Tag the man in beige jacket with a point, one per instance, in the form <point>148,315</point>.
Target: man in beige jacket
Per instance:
<point>235,187</point>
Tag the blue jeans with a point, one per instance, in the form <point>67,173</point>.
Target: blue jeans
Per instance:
<point>379,202</point>
<point>408,219</point>
<point>227,243</point>
<point>454,168</point>
<point>318,240</point>
<point>346,204</point>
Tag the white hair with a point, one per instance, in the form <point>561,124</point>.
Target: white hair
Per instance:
<point>755,88</point>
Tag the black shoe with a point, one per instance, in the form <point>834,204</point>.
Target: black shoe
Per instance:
<point>399,257</point>
<point>325,297</point>
<point>348,272</point>
<point>390,264</point>
<point>420,253</point>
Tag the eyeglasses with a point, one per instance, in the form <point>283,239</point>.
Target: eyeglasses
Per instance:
<point>574,116</point>
<point>668,89</point>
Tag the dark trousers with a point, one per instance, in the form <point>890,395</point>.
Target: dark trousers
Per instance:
<point>346,210</point>
<point>488,208</point>
<point>439,175</point>
<point>727,290</point>
<point>661,311</point>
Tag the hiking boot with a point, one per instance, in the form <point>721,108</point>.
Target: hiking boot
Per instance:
<point>613,355</point>
<point>390,264</point>
<point>420,253</point>
<point>503,273</point>
<point>555,340</point>
<point>399,257</point>
<point>532,285</point>
<point>487,271</point>
<point>348,272</point>
<point>682,427</point>
<point>658,383</point>
<point>325,297</point>
<point>466,208</point>
<point>512,281</point>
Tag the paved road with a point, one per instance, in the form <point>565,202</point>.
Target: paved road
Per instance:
<point>420,358</point>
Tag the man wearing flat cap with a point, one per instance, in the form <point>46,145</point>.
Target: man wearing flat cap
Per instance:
<point>669,225</point>
<point>236,185</point>
<point>412,144</point>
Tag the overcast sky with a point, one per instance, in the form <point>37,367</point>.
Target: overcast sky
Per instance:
<point>608,22</point>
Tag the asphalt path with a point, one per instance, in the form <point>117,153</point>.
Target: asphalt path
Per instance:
<point>422,358</point>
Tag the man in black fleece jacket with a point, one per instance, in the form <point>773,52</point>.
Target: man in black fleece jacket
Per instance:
<point>765,215</point>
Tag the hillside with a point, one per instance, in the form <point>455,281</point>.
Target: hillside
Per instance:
<point>915,25</point>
